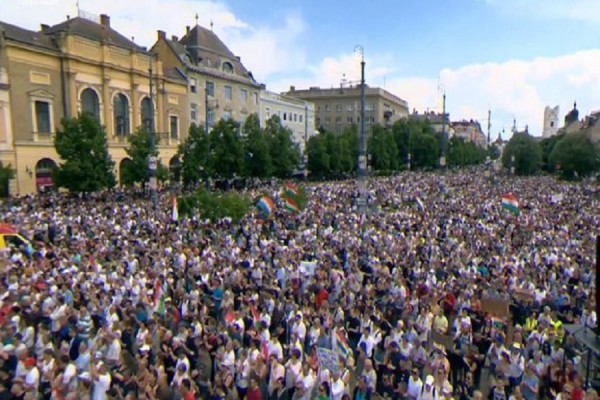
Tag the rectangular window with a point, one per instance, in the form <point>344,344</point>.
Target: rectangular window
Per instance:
<point>174,126</point>
<point>338,120</point>
<point>318,121</point>
<point>243,118</point>
<point>300,117</point>
<point>327,120</point>
<point>326,107</point>
<point>255,98</point>
<point>285,116</point>
<point>349,120</point>
<point>193,111</point>
<point>42,116</point>
<point>210,117</point>
<point>227,115</point>
<point>228,90</point>
<point>193,85</point>
<point>369,107</point>
<point>243,96</point>
<point>268,112</point>
<point>318,108</point>
<point>338,107</point>
<point>210,88</point>
<point>349,107</point>
<point>295,117</point>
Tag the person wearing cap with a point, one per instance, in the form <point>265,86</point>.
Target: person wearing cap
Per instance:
<point>32,378</point>
<point>101,379</point>
<point>428,391</point>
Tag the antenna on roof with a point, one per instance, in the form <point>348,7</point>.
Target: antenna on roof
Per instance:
<point>196,18</point>
<point>77,5</point>
<point>211,25</point>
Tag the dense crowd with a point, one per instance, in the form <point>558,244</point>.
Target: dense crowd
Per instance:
<point>117,300</point>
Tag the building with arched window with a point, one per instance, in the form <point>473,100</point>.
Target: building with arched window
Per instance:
<point>81,65</point>
<point>219,84</point>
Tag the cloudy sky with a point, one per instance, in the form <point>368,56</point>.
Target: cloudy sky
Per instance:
<point>511,56</point>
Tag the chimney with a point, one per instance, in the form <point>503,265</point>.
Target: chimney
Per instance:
<point>161,34</point>
<point>105,20</point>
<point>187,29</point>
<point>174,38</point>
<point>44,27</point>
<point>292,88</point>
<point>238,58</point>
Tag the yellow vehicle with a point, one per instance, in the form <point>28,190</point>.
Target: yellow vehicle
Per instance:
<point>11,238</point>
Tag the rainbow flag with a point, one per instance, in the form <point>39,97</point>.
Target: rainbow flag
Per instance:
<point>265,206</point>
<point>510,203</point>
<point>341,344</point>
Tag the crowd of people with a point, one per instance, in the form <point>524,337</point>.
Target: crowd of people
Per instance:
<point>116,300</point>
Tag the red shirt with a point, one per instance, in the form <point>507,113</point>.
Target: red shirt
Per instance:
<point>190,395</point>
<point>322,297</point>
<point>254,394</point>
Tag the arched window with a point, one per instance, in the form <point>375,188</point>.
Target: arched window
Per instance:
<point>121,114</point>
<point>90,103</point>
<point>43,173</point>
<point>227,67</point>
<point>147,114</point>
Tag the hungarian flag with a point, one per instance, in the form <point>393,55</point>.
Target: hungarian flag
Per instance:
<point>291,191</point>
<point>159,298</point>
<point>255,314</point>
<point>510,203</point>
<point>290,205</point>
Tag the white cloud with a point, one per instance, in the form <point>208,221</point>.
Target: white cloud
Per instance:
<point>264,49</point>
<point>576,10</point>
<point>515,89</point>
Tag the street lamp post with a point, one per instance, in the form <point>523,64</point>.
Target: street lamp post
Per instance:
<point>206,126</point>
<point>151,158</point>
<point>305,154</point>
<point>362,151</point>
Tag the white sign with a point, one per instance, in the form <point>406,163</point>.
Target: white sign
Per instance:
<point>152,163</point>
<point>328,360</point>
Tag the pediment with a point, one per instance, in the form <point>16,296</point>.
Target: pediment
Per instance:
<point>41,93</point>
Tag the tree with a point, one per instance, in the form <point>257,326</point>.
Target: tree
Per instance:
<point>215,206</point>
<point>285,155</point>
<point>525,152</point>
<point>82,145</point>
<point>318,158</point>
<point>6,174</point>
<point>493,152</point>
<point>193,153</point>
<point>547,145</point>
<point>383,149</point>
<point>139,152</point>
<point>226,149</point>
<point>576,155</point>
<point>463,153</point>
<point>257,156</point>
<point>424,150</point>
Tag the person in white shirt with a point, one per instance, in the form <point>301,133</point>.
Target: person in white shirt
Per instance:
<point>277,373</point>
<point>415,384</point>
<point>338,388</point>
<point>368,341</point>
<point>305,385</point>
<point>101,379</point>
<point>32,378</point>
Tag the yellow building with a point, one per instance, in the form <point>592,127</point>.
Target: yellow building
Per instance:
<point>80,65</point>
<point>220,87</point>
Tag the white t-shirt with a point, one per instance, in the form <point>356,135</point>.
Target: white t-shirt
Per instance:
<point>32,379</point>
<point>101,386</point>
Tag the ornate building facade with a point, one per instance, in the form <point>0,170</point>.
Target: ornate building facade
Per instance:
<point>219,86</point>
<point>81,65</point>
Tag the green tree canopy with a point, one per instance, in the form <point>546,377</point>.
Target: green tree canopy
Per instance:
<point>383,149</point>
<point>257,153</point>
<point>226,149</point>
<point>526,153</point>
<point>139,152</point>
<point>318,157</point>
<point>464,153</point>
<point>6,174</point>
<point>193,154</point>
<point>285,156</point>
<point>576,155</point>
<point>424,150</point>
<point>547,145</point>
<point>86,164</point>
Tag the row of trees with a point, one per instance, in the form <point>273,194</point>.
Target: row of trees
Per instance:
<point>231,150</point>
<point>572,156</point>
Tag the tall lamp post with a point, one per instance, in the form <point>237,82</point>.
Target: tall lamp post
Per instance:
<point>206,128</point>
<point>151,158</point>
<point>362,150</point>
<point>305,154</point>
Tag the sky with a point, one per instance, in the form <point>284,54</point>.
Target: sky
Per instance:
<point>513,57</point>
